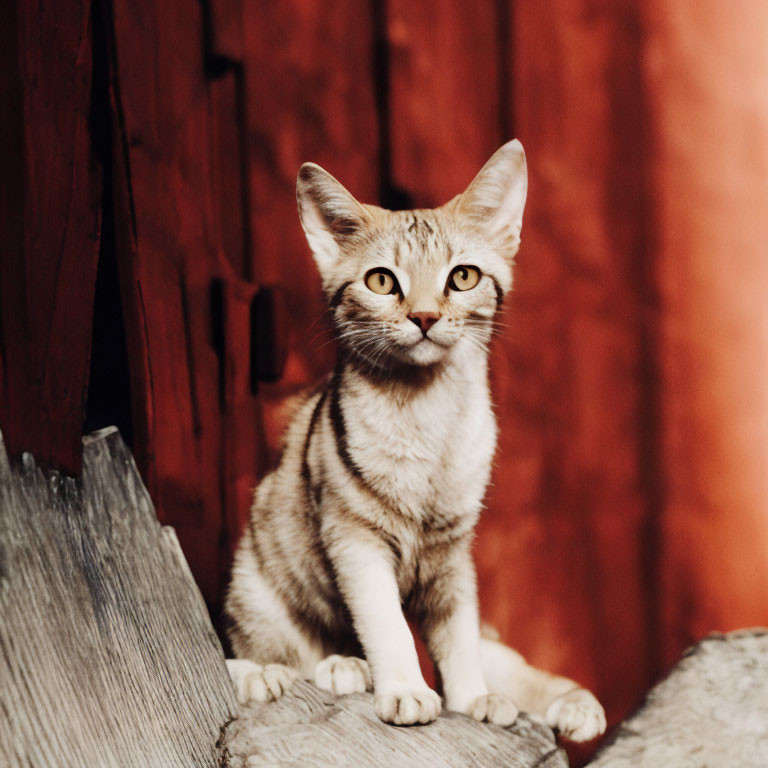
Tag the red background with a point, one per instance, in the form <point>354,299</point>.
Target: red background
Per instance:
<point>149,155</point>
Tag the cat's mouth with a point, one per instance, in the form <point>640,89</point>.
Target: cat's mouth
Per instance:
<point>423,351</point>
<point>432,341</point>
<point>423,342</point>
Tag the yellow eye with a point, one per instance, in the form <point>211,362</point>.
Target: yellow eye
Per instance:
<point>463,278</point>
<point>381,281</point>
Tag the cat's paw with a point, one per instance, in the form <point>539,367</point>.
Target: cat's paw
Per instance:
<point>493,708</point>
<point>343,674</point>
<point>419,705</point>
<point>577,715</point>
<point>259,682</point>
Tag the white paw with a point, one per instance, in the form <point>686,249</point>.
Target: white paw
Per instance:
<point>493,708</point>
<point>577,715</point>
<point>419,705</point>
<point>343,674</point>
<point>257,682</point>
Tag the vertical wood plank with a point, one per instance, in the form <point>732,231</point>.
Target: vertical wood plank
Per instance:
<point>49,227</point>
<point>706,66</point>
<point>444,100</point>
<point>172,250</point>
<point>310,98</point>
<point>562,549</point>
<point>225,30</point>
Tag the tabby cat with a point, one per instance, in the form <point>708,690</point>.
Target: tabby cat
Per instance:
<point>371,510</point>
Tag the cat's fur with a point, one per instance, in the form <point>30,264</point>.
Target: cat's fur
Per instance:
<point>385,465</point>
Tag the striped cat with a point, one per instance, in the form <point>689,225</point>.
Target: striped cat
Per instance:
<point>372,508</point>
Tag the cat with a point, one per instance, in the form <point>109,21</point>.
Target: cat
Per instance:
<point>385,465</point>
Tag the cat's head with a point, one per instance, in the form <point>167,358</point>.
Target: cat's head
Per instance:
<point>415,286</point>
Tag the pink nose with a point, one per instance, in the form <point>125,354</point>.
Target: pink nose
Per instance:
<point>425,320</point>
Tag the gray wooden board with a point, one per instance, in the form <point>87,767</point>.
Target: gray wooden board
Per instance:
<point>711,712</point>
<point>107,654</point>
<point>313,728</point>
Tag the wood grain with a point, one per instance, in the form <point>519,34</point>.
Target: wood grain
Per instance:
<point>182,222</point>
<point>445,115</point>
<point>107,654</point>
<point>313,728</point>
<point>711,710</point>
<point>50,204</point>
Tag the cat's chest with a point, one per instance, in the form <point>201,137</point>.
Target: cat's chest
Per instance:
<point>428,454</point>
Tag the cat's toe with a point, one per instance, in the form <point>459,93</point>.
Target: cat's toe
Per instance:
<point>408,707</point>
<point>493,708</point>
<point>257,682</point>
<point>343,674</point>
<point>577,715</point>
<point>278,678</point>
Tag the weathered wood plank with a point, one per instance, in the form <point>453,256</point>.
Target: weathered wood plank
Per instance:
<point>711,710</point>
<point>107,654</point>
<point>312,728</point>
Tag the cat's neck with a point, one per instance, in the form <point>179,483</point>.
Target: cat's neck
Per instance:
<point>467,366</point>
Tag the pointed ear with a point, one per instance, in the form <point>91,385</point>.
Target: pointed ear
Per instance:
<point>330,216</point>
<point>494,201</point>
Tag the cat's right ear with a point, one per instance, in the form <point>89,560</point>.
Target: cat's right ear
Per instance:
<point>494,201</point>
<point>329,214</point>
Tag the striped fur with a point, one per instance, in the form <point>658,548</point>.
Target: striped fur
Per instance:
<point>373,505</point>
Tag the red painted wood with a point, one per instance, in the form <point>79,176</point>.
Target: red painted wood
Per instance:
<point>310,98</point>
<point>226,29</point>
<point>169,122</point>
<point>445,111</point>
<point>563,549</point>
<point>229,191</point>
<point>49,228</point>
<point>243,458</point>
<point>706,77</point>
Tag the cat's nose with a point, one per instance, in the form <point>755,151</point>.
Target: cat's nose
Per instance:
<point>424,320</point>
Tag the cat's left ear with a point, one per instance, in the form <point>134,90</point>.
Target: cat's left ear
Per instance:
<point>495,200</point>
<point>330,216</point>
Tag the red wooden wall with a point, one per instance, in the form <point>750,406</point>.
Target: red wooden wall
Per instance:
<point>149,155</point>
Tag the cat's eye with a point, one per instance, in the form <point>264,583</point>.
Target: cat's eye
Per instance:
<point>381,281</point>
<point>463,277</point>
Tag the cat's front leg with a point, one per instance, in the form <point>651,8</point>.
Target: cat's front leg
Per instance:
<point>366,577</point>
<point>447,607</point>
